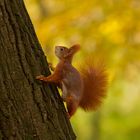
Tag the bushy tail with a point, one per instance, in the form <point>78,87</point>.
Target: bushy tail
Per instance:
<point>95,80</point>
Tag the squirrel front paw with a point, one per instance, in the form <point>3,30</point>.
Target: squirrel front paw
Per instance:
<point>40,77</point>
<point>51,66</point>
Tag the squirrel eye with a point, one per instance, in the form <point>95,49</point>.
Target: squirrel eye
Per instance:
<point>61,49</point>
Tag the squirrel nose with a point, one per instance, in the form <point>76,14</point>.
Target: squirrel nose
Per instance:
<point>56,49</point>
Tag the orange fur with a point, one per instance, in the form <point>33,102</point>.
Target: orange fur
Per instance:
<point>85,90</point>
<point>95,81</point>
<point>56,77</point>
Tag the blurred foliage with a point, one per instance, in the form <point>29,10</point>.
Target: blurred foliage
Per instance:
<point>109,29</point>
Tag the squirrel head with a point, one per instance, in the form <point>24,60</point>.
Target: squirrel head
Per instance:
<point>66,53</point>
<point>61,51</point>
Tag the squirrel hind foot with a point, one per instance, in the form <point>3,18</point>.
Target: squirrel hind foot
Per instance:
<point>72,107</point>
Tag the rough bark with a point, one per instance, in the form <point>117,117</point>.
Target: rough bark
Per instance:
<point>29,109</point>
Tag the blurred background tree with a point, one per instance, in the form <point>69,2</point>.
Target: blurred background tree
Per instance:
<point>109,29</point>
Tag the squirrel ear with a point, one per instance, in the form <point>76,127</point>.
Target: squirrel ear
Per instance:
<point>73,49</point>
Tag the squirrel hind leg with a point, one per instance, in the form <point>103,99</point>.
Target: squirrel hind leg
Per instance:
<point>72,107</point>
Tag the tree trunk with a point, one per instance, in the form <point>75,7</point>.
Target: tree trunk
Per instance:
<point>29,109</point>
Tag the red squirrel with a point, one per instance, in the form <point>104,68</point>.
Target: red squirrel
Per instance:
<point>85,89</point>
